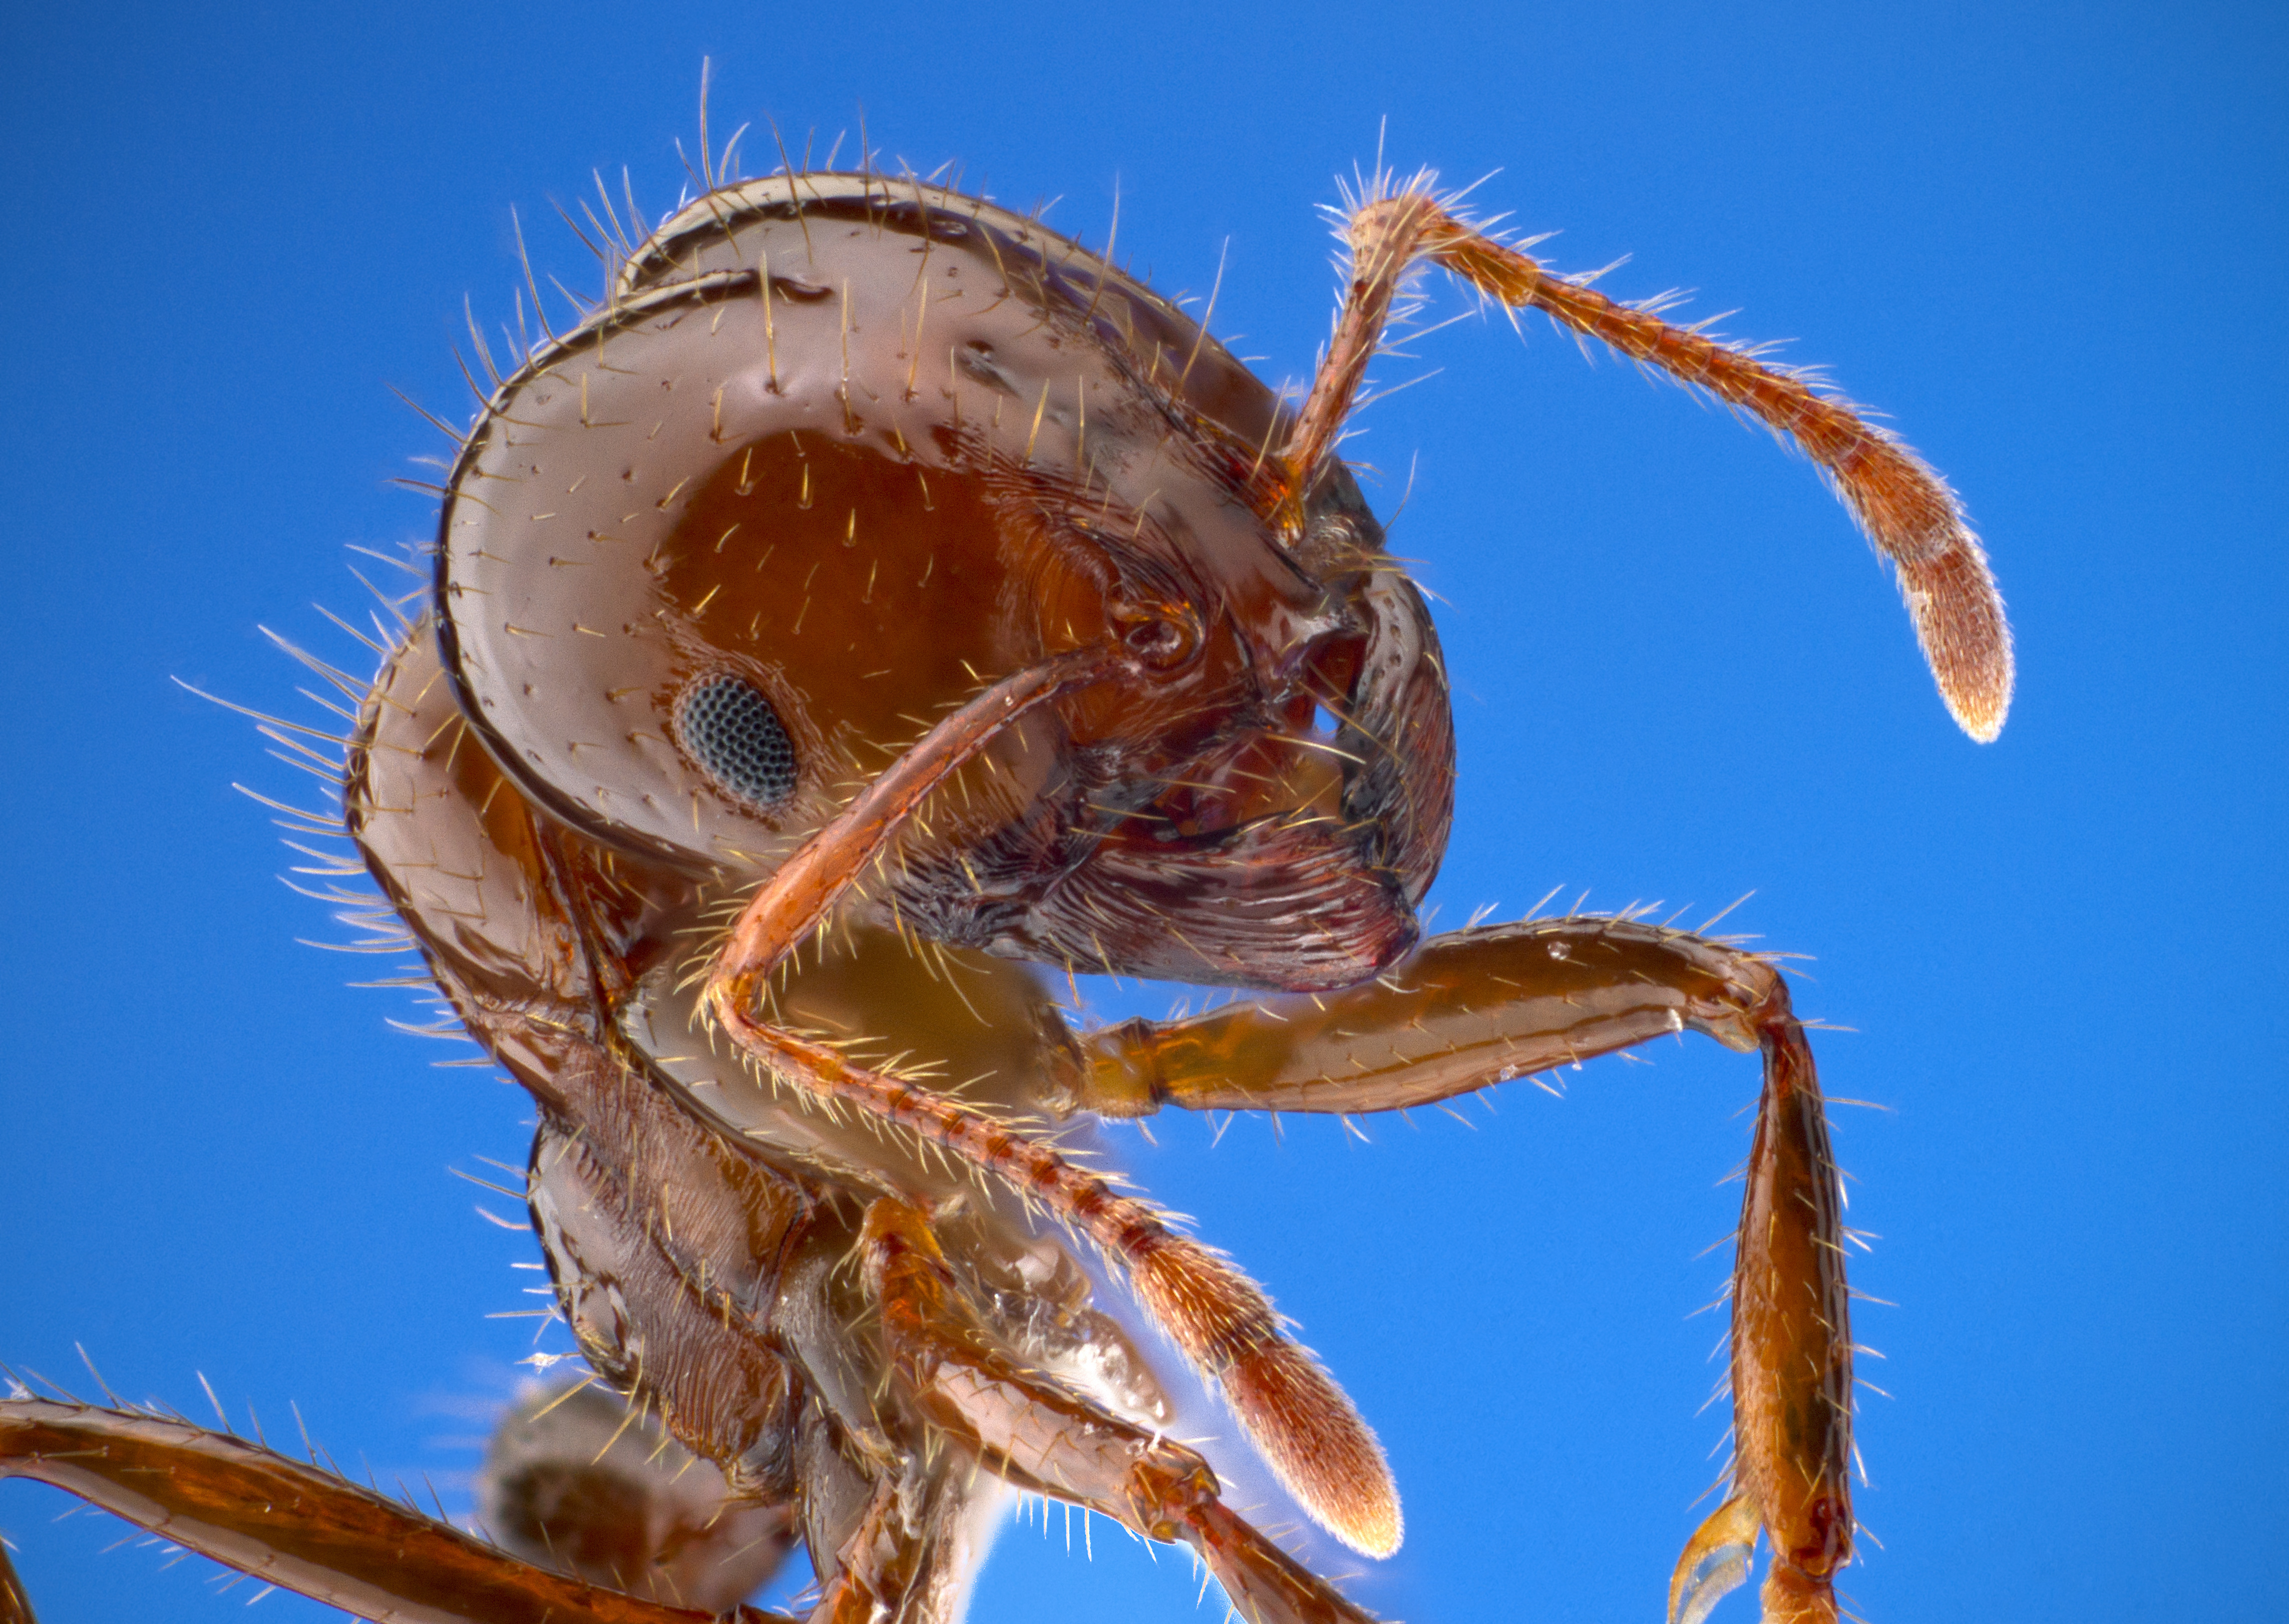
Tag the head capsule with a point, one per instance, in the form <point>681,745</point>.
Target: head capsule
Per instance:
<point>838,449</point>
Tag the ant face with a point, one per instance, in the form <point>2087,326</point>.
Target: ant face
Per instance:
<point>718,554</point>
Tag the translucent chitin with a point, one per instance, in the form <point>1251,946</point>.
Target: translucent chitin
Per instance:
<point>876,598</point>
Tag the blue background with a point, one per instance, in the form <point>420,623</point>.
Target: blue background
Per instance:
<point>2048,242</point>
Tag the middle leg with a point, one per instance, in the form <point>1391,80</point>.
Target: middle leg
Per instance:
<point>1481,1007</point>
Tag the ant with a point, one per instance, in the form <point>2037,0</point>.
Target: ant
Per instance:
<point>875,598</point>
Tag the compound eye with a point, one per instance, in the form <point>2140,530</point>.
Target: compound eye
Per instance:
<point>727,726</point>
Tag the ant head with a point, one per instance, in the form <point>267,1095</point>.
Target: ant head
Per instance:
<point>837,451</point>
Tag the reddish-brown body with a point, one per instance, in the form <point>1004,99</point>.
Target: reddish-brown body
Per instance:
<point>874,599</point>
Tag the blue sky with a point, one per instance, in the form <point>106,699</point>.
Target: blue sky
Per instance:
<point>2048,242</point>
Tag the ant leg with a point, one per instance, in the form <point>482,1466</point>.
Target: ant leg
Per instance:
<point>295,1527</point>
<point>1465,1009</point>
<point>1034,1432</point>
<point>1299,1418</point>
<point>905,1560</point>
<point>1481,1007</point>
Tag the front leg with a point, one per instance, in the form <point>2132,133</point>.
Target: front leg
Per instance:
<point>1481,1007</point>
